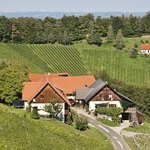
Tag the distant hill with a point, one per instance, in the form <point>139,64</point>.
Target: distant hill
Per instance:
<point>60,14</point>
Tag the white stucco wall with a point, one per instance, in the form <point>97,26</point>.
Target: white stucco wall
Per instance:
<point>145,51</point>
<point>71,97</point>
<point>93,103</point>
<point>26,105</point>
<point>41,107</point>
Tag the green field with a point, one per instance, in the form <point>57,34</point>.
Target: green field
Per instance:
<point>108,122</point>
<point>139,141</point>
<point>145,128</point>
<point>117,64</point>
<point>18,132</point>
<point>45,58</point>
<point>81,59</point>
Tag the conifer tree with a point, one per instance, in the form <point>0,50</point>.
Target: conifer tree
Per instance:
<point>110,35</point>
<point>119,42</point>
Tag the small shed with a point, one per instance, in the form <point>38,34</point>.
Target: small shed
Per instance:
<point>140,117</point>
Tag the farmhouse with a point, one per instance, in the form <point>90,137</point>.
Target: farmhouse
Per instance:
<point>43,88</point>
<point>38,94</point>
<point>100,94</point>
<point>145,49</point>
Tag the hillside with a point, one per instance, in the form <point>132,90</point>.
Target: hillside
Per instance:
<point>117,64</point>
<point>45,58</point>
<point>20,132</point>
<point>81,58</point>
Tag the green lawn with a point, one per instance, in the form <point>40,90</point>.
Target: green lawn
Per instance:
<point>18,132</point>
<point>131,143</point>
<point>108,122</point>
<point>139,141</point>
<point>140,129</point>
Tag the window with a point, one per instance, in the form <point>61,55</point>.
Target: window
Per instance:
<point>110,97</point>
<point>112,105</point>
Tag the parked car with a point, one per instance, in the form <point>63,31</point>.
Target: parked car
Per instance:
<point>18,103</point>
<point>72,102</point>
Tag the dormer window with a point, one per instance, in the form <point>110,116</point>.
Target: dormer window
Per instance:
<point>110,97</point>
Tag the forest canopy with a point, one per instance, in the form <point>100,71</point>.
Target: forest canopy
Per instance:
<point>69,28</point>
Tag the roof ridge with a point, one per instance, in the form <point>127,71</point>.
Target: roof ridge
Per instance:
<point>44,83</point>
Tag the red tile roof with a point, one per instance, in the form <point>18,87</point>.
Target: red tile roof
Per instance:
<point>60,83</point>
<point>31,89</point>
<point>39,77</point>
<point>70,84</point>
<point>145,47</point>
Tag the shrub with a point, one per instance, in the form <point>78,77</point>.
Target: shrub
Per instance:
<point>69,120</point>
<point>142,41</point>
<point>136,45</point>
<point>34,113</point>
<point>53,108</point>
<point>74,115</point>
<point>81,123</point>
<point>28,109</point>
<point>133,53</point>
<point>114,112</point>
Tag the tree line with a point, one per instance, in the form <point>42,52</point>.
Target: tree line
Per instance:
<point>69,28</point>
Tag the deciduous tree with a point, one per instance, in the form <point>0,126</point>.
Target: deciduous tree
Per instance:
<point>12,76</point>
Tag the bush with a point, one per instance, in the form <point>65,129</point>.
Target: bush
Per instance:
<point>34,113</point>
<point>53,109</point>
<point>81,123</point>
<point>133,53</point>
<point>74,115</point>
<point>28,109</point>
<point>69,120</point>
<point>114,112</point>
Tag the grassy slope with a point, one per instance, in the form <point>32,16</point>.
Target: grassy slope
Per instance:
<point>45,58</point>
<point>108,122</point>
<point>57,58</point>
<point>117,64</point>
<point>139,141</point>
<point>140,129</point>
<point>7,51</point>
<point>17,132</point>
